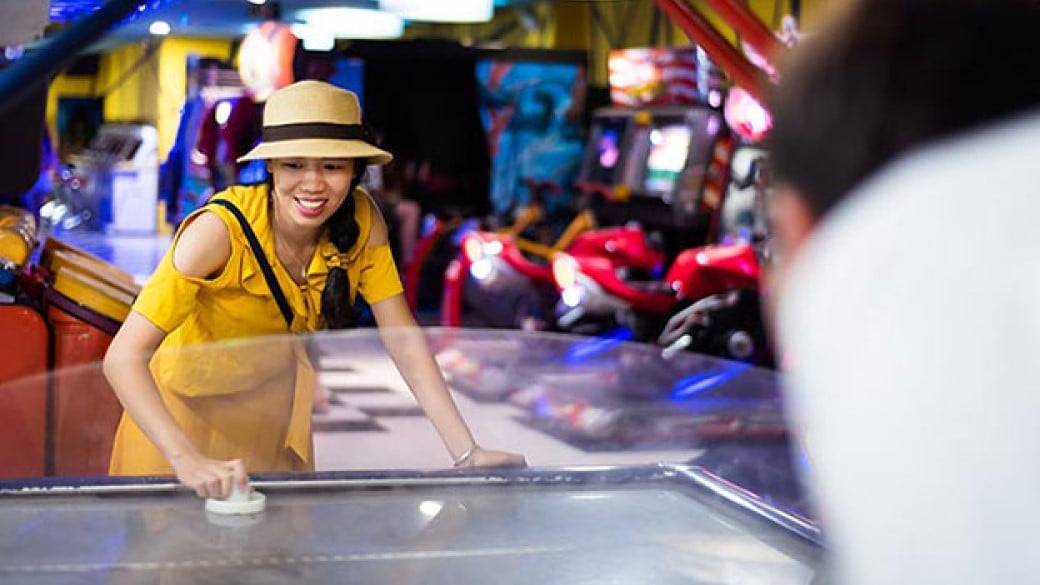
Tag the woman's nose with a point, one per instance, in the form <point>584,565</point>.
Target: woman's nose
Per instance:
<point>313,179</point>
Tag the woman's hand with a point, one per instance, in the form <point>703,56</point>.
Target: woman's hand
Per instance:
<point>210,478</point>
<point>485,458</point>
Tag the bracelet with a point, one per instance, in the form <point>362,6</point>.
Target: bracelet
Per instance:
<point>465,455</point>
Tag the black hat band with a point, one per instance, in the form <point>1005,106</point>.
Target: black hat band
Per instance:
<point>312,130</point>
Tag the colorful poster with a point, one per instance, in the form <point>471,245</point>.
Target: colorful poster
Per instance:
<point>532,113</point>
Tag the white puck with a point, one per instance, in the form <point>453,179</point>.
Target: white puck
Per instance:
<point>235,520</point>
<point>253,502</point>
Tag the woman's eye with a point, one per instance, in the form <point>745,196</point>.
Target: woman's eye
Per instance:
<point>292,165</point>
<point>335,167</point>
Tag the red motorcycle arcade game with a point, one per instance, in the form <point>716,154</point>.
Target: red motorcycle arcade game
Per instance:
<point>668,168</point>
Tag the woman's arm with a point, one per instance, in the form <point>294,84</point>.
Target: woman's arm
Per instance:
<point>202,250</point>
<point>406,344</point>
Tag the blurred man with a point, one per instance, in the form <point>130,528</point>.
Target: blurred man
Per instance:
<point>908,282</point>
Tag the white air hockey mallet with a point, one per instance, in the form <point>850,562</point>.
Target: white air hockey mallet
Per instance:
<point>240,502</point>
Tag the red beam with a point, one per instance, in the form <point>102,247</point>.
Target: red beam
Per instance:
<point>733,62</point>
<point>748,26</point>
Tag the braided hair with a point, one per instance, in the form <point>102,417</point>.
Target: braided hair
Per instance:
<point>337,310</point>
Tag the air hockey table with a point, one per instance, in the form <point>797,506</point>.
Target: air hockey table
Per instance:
<point>732,513</point>
<point>633,524</point>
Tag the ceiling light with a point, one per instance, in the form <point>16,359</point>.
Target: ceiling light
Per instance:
<point>159,27</point>
<point>441,10</point>
<point>353,23</point>
<point>257,2</point>
<point>314,38</point>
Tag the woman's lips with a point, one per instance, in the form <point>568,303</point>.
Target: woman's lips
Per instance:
<point>310,207</point>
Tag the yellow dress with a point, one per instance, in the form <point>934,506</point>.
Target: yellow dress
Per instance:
<point>244,399</point>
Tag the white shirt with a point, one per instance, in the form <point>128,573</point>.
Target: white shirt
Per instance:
<point>912,317</point>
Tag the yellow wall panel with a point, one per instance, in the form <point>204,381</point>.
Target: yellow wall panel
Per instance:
<point>128,82</point>
<point>173,63</point>
<point>571,26</point>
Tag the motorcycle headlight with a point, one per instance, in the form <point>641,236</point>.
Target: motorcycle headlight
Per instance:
<point>493,248</point>
<point>472,248</point>
<point>565,271</point>
<point>482,269</point>
<point>572,296</point>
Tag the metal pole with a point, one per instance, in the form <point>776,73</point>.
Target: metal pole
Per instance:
<point>747,25</point>
<point>37,67</point>
<point>718,48</point>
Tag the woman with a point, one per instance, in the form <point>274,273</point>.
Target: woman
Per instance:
<point>264,260</point>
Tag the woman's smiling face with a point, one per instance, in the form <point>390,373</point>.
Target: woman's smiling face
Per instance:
<point>309,190</point>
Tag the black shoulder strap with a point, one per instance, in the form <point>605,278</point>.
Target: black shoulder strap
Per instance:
<point>261,259</point>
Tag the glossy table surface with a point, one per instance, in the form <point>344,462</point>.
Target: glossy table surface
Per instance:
<point>651,524</point>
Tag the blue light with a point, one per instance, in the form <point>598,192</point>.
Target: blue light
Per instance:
<point>70,10</point>
<point>429,224</point>
<point>542,406</point>
<point>695,384</point>
<point>470,225</point>
<point>583,350</point>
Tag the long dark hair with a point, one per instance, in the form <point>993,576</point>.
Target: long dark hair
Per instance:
<point>337,310</point>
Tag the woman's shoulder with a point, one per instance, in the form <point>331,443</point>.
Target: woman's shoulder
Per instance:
<point>370,218</point>
<point>203,246</point>
<point>207,238</point>
<point>250,199</point>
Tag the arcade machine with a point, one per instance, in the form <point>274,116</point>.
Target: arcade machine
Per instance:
<point>24,343</point>
<point>133,163</point>
<point>707,300</point>
<point>658,169</point>
<point>112,185</point>
<point>535,144</point>
<point>505,278</point>
<point>86,301</point>
<point>704,284</point>
<point>717,299</point>
<point>667,174</point>
<point>58,315</point>
<point>658,157</point>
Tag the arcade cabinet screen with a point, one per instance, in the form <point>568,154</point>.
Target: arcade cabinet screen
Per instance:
<point>669,149</point>
<point>609,148</point>
<point>606,157</point>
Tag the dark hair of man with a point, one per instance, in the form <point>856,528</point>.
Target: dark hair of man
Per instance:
<point>886,76</point>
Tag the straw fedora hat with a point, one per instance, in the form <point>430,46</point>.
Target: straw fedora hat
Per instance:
<point>314,119</point>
